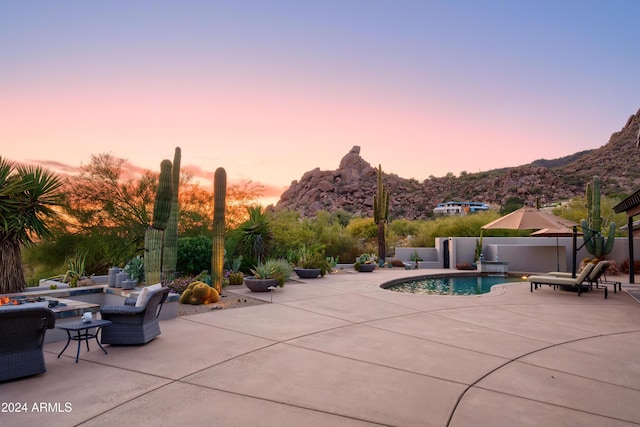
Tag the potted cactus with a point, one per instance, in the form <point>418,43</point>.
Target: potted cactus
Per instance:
<point>236,277</point>
<point>366,263</point>
<point>309,264</point>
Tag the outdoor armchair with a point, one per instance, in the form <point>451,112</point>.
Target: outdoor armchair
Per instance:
<point>556,281</point>
<point>131,324</point>
<point>22,331</point>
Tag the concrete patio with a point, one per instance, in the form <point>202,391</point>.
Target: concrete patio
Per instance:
<point>340,351</point>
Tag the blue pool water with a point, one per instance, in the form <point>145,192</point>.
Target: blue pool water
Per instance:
<point>452,285</point>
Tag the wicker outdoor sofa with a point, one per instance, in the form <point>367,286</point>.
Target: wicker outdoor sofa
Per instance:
<point>134,323</point>
<point>22,331</point>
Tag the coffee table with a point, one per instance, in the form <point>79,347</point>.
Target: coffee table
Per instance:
<point>82,329</point>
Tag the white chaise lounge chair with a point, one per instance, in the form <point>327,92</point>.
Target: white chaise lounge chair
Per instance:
<point>581,281</point>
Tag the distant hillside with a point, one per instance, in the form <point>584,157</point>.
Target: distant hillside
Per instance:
<point>562,161</point>
<point>352,185</point>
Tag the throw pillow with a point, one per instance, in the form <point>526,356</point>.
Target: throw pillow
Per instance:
<point>144,294</point>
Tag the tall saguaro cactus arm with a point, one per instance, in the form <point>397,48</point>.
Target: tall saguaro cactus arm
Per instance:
<point>170,251</point>
<point>595,243</point>
<point>154,234</point>
<point>217,252</point>
<point>380,213</point>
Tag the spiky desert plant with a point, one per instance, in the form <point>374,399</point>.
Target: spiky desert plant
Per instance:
<point>595,243</point>
<point>380,213</point>
<point>255,236</point>
<point>170,251</point>
<point>154,234</point>
<point>217,250</point>
<point>478,251</point>
<point>28,195</point>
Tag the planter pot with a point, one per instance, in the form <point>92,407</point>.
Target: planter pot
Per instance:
<point>307,273</point>
<point>121,277</point>
<point>367,268</point>
<point>259,285</point>
<point>129,284</point>
<point>112,276</point>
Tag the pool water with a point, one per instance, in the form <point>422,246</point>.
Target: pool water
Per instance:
<point>452,285</point>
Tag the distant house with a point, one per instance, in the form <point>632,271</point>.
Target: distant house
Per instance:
<point>460,208</point>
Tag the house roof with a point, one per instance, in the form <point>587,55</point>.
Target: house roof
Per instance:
<point>629,203</point>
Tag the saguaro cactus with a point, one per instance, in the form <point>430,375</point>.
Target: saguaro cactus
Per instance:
<point>170,251</point>
<point>154,234</point>
<point>380,212</point>
<point>217,253</point>
<point>595,243</point>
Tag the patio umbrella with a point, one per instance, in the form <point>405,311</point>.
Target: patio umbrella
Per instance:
<point>528,218</point>
<point>556,232</point>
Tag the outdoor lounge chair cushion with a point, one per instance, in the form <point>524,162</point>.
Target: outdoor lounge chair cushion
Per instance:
<point>144,294</point>
<point>562,281</point>
<point>579,282</point>
<point>597,272</point>
<point>44,304</point>
<point>22,333</point>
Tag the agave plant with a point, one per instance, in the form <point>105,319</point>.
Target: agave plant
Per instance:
<point>75,269</point>
<point>278,269</point>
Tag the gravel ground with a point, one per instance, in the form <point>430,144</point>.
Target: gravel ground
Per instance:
<point>228,300</point>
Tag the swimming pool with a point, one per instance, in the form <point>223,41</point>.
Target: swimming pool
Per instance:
<point>449,285</point>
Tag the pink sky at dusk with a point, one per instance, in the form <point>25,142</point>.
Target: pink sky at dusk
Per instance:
<point>270,90</point>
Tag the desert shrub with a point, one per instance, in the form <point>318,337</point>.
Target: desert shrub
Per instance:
<point>624,266</point>
<point>289,233</point>
<point>180,284</point>
<point>324,232</point>
<point>194,254</point>
<point>397,263</point>
<point>404,227</point>
<point>363,228</point>
<point>613,268</point>
<point>464,266</point>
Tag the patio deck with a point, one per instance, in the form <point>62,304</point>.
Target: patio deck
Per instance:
<point>340,351</point>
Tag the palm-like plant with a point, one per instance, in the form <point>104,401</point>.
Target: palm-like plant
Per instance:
<point>255,235</point>
<point>27,196</point>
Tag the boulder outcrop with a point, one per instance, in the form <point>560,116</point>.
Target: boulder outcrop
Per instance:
<point>351,186</point>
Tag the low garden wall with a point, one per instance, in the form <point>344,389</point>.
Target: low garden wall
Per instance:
<point>96,294</point>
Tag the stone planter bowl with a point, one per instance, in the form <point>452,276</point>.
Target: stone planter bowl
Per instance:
<point>307,273</point>
<point>259,285</point>
<point>367,268</point>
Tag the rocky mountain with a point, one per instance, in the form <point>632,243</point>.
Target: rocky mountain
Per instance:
<point>352,185</point>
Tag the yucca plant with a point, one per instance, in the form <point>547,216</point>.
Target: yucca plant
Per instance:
<point>255,235</point>
<point>27,197</point>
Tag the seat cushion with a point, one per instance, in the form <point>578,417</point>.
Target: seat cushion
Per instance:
<point>144,294</point>
<point>44,304</point>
